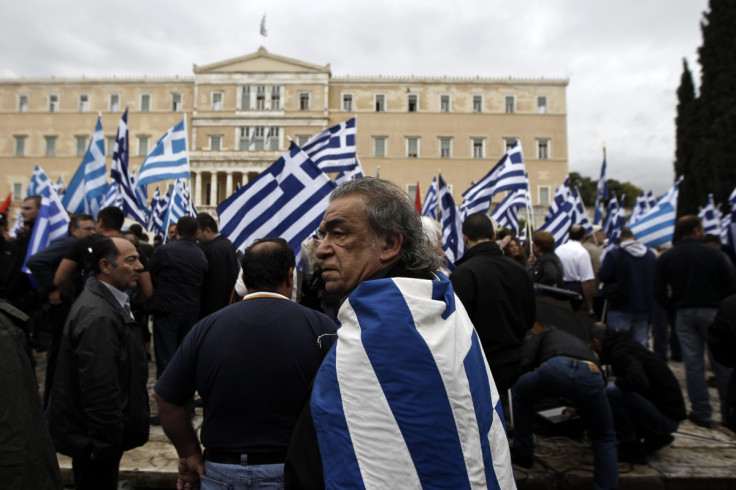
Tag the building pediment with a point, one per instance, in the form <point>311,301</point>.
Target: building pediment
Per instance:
<point>261,62</point>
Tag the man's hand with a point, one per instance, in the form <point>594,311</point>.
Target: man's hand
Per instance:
<point>190,469</point>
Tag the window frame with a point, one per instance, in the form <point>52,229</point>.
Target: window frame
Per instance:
<point>275,97</point>
<point>24,101</point>
<point>17,190</point>
<point>245,94</point>
<point>211,139</point>
<point>508,142</point>
<point>543,145</point>
<point>50,150</point>
<point>217,99</point>
<point>482,148</point>
<point>409,140</point>
<point>383,104</point>
<point>448,140</point>
<point>147,107</point>
<point>481,101</point>
<point>305,96</point>
<point>509,109</point>
<point>54,103</point>
<point>383,141</point>
<point>113,107</point>
<point>448,108</point>
<point>412,102</point>
<point>543,109</point>
<point>177,105</point>
<point>81,144</point>
<point>19,145</point>
<point>347,97</point>
<point>84,104</point>
<point>540,201</point>
<point>143,140</point>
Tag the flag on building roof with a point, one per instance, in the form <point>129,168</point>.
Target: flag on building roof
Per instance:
<point>264,32</point>
<point>333,150</point>
<point>601,192</point>
<point>711,217</point>
<point>657,226</point>
<point>87,189</point>
<point>168,159</point>
<point>452,224</point>
<point>430,200</point>
<point>39,182</point>
<point>507,175</point>
<point>125,194</point>
<point>287,200</point>
<point>51,223</point>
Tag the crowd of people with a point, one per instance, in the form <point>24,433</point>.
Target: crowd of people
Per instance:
<point>369,365</point>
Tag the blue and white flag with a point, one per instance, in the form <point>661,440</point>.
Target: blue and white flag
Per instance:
<point>51,223</point>
<point>658,225</point>
<point>711,217</point>
<point>353,174</point>
<point>641,206</point>
<point>579,216</point>
<point>60,186</point>
<point>264,33</point>
<point>452,225</point>
<point>113,197</point>
<point>616,224</point>
<point>651,200</point>
<point>39,182</point>
<point>287,200</point>
<point>86,192</point>
<point>610,215</point>
<point>407,386</point>
<point>507,175</point>
<point>120,175</point>
<point>507,212</point>
<point>430,201</point>
<point>333,150</point>
<point>169,158</point>
<point>562,194</point>
<point>178,206</point>
<point>158,208</point>
<point>601,194</point>
<point>559,224</point>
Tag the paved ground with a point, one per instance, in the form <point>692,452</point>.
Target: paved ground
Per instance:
<point>698,458</point>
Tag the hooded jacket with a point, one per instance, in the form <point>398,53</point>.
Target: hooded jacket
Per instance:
<point>638,275</point>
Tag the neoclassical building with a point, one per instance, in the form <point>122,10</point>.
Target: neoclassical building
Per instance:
<point>241,113</point>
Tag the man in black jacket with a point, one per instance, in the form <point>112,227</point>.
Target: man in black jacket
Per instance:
<point>498,296</point>
<point>99,402</point>
<point>645,397</point>
<point>223,267</point>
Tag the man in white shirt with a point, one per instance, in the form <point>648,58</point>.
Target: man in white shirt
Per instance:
<point>576,262</point>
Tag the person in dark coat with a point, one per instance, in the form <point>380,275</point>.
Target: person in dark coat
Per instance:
<point>547,268</point>
<point>722,342</point>
<point>99,401</point>
<point>645,397</point>
<point>498,296</point>
<point>223,266</point>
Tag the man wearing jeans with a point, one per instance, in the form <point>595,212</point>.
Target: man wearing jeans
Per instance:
<point>699,277</point>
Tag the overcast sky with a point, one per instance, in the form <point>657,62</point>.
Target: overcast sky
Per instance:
<point>623,58</point>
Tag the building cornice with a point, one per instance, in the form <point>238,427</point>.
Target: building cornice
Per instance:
<point>414,79</point>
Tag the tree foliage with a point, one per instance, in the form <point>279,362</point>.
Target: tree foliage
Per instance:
<point>587,187</point>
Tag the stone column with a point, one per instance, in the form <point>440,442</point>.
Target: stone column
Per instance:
<point>197,189</point>
<point>228,184</point>
<point>213,188</point>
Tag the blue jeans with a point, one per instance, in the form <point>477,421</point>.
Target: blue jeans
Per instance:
<point>567,378</point>
<point>242,477</point>
<point>664,333</point>
<point>636,324</point>
<point>634,415</point>
<point>692,329</point>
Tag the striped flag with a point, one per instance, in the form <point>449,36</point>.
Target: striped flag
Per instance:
<point>507,211</point>
<point>155,219</point>
<point>406,399</point>
<point>86,191</point>
<point>120,175</point>
<point>657,226</point>
<point>430,201</point>
<point>610,215</point>
<point>39,182</point>
<point>562,194</point>
<point>51,223</point>
<point>452,225</point>
<point>60,186</point>
<point>169,158</point>
<point>178,206</point>
<point>601,192</point>
<point>507,175</point>
<point>651,200</point>
<point>579,217</point>
<point>559,224</point>
<point>344,176</point>
<point>287,200</point>
<point>711,217</point>
<point>641,206</point>
<point>616,224</point>
<point>333,150</point>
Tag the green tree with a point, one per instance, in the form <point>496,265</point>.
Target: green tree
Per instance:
<point>687,138</point>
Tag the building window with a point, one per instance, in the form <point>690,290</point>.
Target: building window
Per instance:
<point>20,146</point>
<point>276,98</point>
<point>304,101</point>
<point>215,142</point>
<point>272,138</point>
<point>110,145</point>
<point>83,103</point>
<point>380,102</point>
<point>216,101</point>
<point>142,146</point>
<point>477,103</point>
<point>244,144</point>
<point>541,104</point>
<point>543,149</point>
<point>22,103</point>
<point>245,98</point>
<point>379,146</point>
<point>53,103</point>
<point>444,103</point>
<point>445,147</point>
<point>50,146</point>
<point>508,143</point>
<point>302,139</point>
<point>412,102</point>
<point>176,102</point>
<point>261,98</point>
<point>347,102</point>
<point>145,102</point>
<point>114,102</point>
<point>510,104</point>
<point>544,195</point>
<point>17,191</point>
<point>81,145</point>
<point>412,147</point>
<point>260,137</point>
<point>478,148</point>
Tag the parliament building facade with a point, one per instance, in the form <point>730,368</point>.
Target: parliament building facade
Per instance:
<point>241,113</point>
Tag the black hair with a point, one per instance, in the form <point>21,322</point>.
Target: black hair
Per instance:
<point>266,264</point>
<point>478,226</point>
<point>112,218</point>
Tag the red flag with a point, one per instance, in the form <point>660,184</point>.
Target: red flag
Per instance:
<point>418,201</point>
<point>6,204</point>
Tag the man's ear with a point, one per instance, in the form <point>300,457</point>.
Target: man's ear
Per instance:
<point>392,247</point>
<point>290,278</point>
<point>105,266</point>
